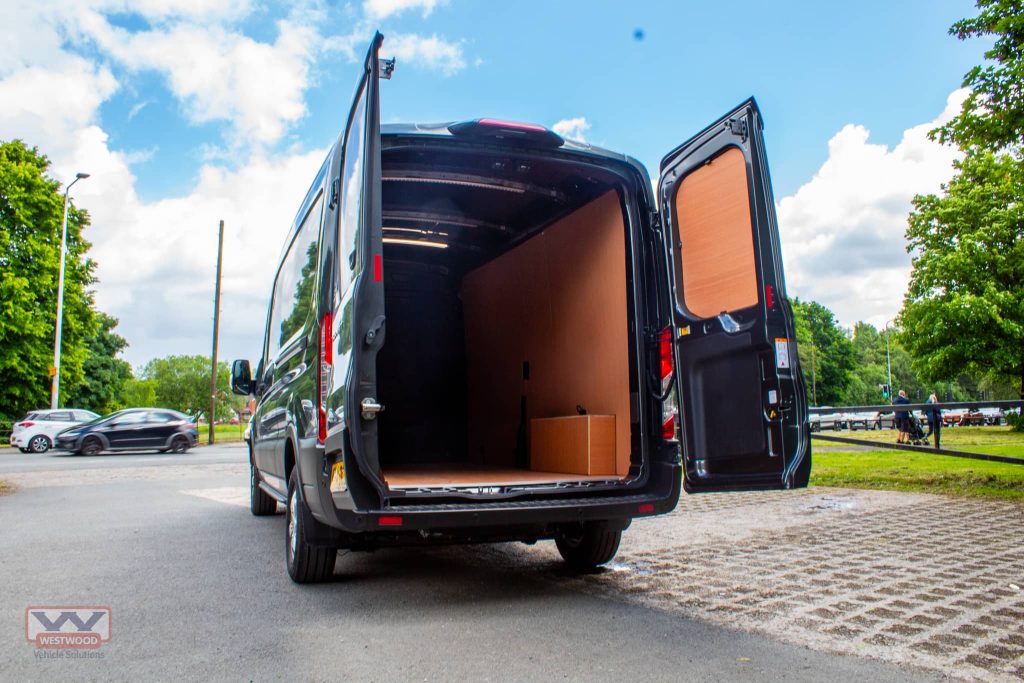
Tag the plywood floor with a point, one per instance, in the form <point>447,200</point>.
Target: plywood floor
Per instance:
<point>412,476</point>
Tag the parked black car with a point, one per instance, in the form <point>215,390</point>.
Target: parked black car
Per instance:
<point>455,302</point>
<point>158,429</point>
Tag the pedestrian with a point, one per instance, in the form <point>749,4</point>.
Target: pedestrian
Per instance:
<point>902,417</point>
<point>934,420</point>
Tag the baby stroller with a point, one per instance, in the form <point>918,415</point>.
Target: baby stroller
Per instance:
<point>915,431</point>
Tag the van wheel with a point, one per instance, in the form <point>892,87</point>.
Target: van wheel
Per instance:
<point>586,548</point>
<point>260,502</point>
<point>306,563</point>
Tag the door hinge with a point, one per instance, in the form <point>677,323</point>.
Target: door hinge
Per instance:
<point>739,127</point>
<point>335,192</point>
<point>387,67</point>
<point>375,329</point>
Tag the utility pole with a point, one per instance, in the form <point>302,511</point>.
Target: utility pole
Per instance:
<point>814,376</point>
<point>216,330</point>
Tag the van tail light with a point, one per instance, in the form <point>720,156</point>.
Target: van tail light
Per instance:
<point>667,368</point>
<point>24,424</point>
<point>326,363</point>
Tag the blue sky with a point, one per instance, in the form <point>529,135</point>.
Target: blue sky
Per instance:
<point>187,112</point>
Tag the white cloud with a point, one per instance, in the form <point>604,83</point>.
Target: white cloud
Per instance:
<point>843,231</point>
<point>223,75</point>
<point>429,52</point>
<point>382,9</point>
<point>572,129</point>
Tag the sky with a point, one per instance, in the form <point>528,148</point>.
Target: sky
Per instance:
<point>187,112</point>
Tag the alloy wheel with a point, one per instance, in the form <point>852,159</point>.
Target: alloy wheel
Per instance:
<point>39,444</point>
<point>293,525</point>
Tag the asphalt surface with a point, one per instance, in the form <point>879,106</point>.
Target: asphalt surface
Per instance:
<point>198,589</point>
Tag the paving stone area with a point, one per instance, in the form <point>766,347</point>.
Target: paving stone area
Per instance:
<point>928,581</point>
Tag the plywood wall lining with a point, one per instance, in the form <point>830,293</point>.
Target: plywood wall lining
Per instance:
<point>712,207</point>
<point>558,301</point>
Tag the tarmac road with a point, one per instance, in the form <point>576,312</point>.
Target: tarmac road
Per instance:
<point>198,589</point>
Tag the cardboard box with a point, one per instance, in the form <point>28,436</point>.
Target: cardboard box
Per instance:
<point>579,444</point>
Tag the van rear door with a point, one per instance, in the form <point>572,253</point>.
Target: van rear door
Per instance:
<point>355,301</point>
<point>740,389</point>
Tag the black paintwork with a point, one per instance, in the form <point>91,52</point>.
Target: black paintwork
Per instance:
<point>284,425</point>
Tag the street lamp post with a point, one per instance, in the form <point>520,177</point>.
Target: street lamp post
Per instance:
<point>888,363</point>
<point>55,384</point>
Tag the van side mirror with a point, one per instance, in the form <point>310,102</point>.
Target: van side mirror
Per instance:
<point>241,378</point>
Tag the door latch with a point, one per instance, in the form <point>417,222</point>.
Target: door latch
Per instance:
<point>371,408</point>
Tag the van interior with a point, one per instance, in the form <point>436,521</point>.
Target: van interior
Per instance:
<point>506,359</point>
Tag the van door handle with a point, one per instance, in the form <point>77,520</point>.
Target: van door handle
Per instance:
<point>371,408</point>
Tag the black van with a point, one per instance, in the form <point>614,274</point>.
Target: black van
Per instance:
<point>482,332</point>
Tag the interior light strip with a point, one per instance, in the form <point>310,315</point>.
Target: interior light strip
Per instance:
<point>415,243</point>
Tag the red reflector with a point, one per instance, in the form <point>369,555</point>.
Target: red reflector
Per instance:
<point>646,508</point>
<point>378,268</point>
<point>769,296</point>
<point>668,428</point>
<point>25,424</point>
<point>389,521</point>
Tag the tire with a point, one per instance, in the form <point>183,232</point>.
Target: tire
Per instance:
<point>591,546</point>
<point>180,444</point>
<point>91,446</point>
<point>306,563</point>
<point>39,443</point>
<point>877,426</point>
<point>261,503</point>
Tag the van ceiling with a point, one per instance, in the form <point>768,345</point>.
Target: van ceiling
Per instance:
<point>477,202</point>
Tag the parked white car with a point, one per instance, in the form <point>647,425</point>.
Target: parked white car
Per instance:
<point>37,431</point>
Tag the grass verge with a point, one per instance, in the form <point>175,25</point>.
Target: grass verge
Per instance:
<point>994,440</point>
<point>223,434</point>
<point>927,473</point>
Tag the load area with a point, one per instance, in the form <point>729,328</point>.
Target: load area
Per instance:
<point>507,354</point>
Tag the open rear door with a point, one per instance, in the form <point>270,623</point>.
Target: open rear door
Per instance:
<point>355,301</point>
<point>740,389</point>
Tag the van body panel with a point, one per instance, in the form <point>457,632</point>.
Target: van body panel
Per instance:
<point>739,383</point>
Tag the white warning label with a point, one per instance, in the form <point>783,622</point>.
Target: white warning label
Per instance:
<point>781,352</point>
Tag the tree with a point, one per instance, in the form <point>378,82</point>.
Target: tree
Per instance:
<point>139,393</point>
<point>183,383</point>
<point>964,307</point>
<point>825,349</point>
<point>992,117</point>
<point>105,375</point>
<point>31,211</point>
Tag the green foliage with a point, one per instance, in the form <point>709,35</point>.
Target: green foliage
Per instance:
<point>105,375</point>
<point>964,307</point>
<point>992,117</point>
<point>826,355</point>
<point>31,210</point>
<point>183,383</point>
<point>139,393</point>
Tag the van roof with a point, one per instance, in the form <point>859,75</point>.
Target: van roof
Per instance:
<point>442,130</point>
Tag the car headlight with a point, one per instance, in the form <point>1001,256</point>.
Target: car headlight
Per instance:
<point>69,435</point>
